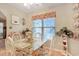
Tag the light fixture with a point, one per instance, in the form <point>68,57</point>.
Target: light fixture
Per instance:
<point>25,4</point>
<point>28,5</point>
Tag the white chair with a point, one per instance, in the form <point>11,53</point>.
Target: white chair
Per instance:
<point>16,43</point>
<point>16,37</point>
<point>10,45</point>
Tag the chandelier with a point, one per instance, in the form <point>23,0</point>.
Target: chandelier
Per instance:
<point>29,5</point>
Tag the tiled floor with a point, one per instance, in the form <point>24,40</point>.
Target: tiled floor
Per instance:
<point>4,52</point>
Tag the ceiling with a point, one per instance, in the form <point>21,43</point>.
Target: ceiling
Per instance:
<point>33,7</point>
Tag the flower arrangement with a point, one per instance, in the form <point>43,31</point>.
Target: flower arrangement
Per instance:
<point>65,31</point>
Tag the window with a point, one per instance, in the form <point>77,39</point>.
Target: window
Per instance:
<point>44,29</point>
<point>37,29</point>
<point>2,28</point>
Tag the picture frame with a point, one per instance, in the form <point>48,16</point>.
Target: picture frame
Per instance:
<point>15,20</point>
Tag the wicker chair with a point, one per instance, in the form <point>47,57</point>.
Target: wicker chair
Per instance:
<point>10,46</point>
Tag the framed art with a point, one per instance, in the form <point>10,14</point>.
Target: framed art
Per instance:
<point>15,20</point>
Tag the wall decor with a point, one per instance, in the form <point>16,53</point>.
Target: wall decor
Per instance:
<point>23,21</point>
<point>76,21</point>
<point>65,44</point>
<point>15,20</point>
<point>76,15</point>
<point>76,6</point>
